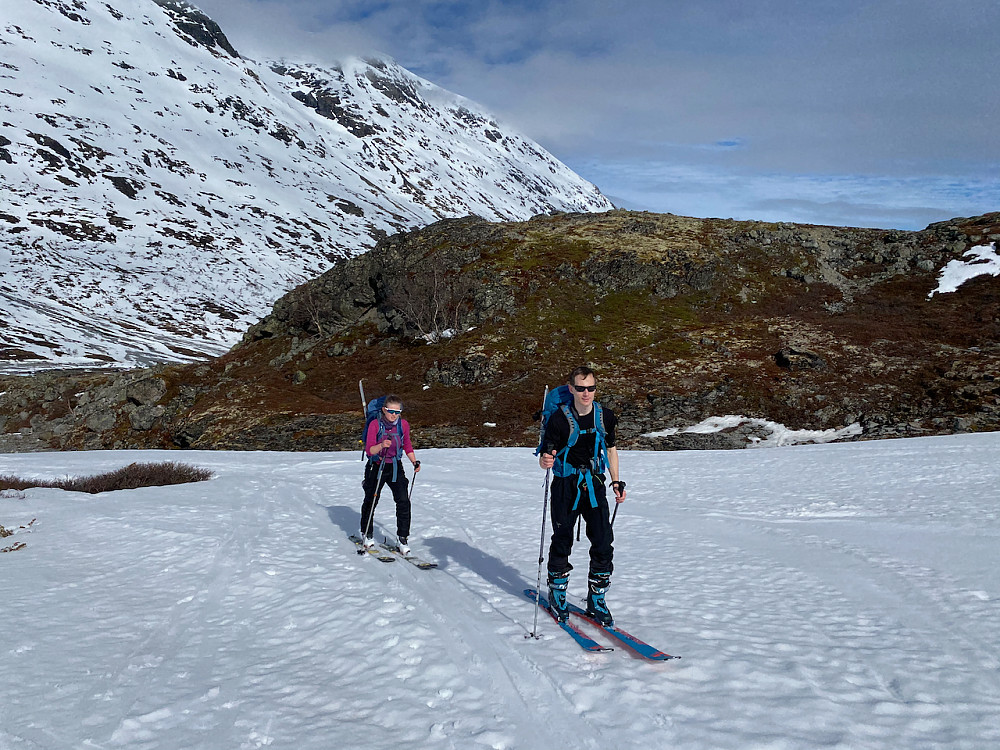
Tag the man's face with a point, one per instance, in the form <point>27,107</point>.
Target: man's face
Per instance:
<point>585,398</point>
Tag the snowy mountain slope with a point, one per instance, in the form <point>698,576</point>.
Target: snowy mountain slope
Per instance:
<point>160,192</point>
<point>832,596</point>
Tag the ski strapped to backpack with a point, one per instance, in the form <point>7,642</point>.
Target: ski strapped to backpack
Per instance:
<point>561,399</point>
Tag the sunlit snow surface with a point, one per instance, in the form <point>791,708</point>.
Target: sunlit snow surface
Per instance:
<point>824,596</point>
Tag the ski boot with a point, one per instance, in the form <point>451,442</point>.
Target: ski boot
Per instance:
<point>402,546</point>
<point>558,583</point>
<point>368,542</point>
<point>597,584</point>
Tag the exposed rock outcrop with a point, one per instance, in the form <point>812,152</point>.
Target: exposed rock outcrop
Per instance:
<point>684,319</point>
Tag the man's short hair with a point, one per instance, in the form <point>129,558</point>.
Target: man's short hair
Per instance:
<point>581,372</point>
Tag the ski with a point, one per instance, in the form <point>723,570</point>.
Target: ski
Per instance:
<point>412,559</point>
<point>635,644</point>
<point>379,555</point>
<point>583,640</point>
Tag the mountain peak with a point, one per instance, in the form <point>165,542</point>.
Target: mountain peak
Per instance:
<point>162,191</point>
<point>195,27</point>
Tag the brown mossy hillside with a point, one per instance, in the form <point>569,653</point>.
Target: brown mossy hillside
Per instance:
<point>810,326</point>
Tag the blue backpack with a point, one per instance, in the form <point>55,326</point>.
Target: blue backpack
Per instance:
<point>561,399</point>
<point>373,412</point>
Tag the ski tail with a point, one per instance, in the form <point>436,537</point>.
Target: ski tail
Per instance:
<point>637,645</point>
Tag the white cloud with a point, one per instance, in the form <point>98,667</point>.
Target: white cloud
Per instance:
<point>901,96</point>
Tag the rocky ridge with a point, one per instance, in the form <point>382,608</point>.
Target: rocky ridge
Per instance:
<point>684,319</point>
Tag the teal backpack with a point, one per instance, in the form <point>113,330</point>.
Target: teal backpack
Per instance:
<point>561,399</point>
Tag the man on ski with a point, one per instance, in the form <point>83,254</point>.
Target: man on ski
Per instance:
<point>386,440</point>
<point>578,489</point>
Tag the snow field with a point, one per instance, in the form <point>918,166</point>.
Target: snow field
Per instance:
<point>830,596</point>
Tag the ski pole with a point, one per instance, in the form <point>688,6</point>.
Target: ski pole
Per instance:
<point>371,514</point>
<point>541,543</point>
<point>621,487</point>
<point>378,491</point>
<point>416,465</point>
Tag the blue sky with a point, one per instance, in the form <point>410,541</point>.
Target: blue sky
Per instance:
<point>882,113</point>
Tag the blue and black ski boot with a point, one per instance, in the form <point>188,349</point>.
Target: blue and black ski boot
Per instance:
<point>558,583</point>
<point>598,584</point>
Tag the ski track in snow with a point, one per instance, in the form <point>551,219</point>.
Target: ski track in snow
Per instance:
<point>834,596</point>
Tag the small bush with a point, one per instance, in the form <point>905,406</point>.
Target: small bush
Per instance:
<point>129,477</point>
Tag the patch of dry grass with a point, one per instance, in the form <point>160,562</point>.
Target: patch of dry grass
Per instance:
<point>129,477</point>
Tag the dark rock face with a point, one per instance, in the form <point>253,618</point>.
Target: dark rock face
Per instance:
<point>815,328</point>
<point>195,27</point>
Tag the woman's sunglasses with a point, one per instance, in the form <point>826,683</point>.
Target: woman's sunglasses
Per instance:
<point>392,411</point>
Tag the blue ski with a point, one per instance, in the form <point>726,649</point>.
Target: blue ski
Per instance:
<point>638,646</point>
<point>585,642</point>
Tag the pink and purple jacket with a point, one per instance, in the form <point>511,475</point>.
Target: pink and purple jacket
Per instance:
<point>392,432</point>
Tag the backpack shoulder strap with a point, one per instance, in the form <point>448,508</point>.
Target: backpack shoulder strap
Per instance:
<point>599,420</point>
<point>600,459</point>
<point>574,426</point>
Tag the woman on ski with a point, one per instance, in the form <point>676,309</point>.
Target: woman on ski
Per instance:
<point>386,440</point>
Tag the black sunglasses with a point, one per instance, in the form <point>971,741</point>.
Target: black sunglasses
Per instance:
<point>582,388</point>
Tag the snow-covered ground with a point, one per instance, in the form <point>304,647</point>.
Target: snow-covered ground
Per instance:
<point>824,596</point>
<point>977,261</point>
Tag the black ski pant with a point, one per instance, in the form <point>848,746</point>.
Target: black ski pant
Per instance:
<point>597,521</point>
<point>377,476</point>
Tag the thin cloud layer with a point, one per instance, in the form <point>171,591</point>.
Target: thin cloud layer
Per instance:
<point>898,98</point>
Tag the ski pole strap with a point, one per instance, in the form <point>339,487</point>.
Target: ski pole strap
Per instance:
<point>618,486</point>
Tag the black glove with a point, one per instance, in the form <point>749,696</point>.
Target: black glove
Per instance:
<point>618,487</point>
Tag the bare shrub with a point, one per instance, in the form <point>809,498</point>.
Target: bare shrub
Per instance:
<point>433,301</point>
<point>309,308</point>
<point>129,477</point>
